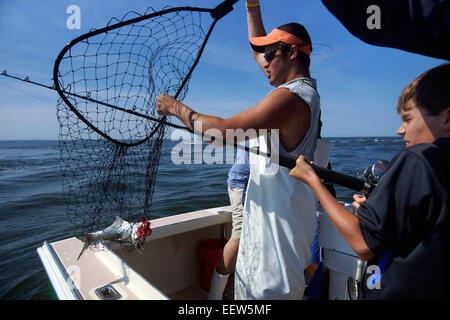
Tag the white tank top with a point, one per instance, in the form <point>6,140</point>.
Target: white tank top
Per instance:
<point>279,217</point>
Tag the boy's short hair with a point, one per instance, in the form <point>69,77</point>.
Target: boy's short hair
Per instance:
<point>429,91</point>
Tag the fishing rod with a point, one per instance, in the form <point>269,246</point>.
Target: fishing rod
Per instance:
<point>327,175</point>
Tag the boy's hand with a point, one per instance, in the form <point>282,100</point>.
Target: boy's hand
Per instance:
<point>359,200</point>
<point>303,171</point>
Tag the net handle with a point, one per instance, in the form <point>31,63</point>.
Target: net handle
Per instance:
<point>223,9</point>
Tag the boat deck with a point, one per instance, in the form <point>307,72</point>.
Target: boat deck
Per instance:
<point>167,267</point>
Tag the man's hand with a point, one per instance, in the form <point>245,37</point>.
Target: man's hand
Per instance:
<point>166,105</point>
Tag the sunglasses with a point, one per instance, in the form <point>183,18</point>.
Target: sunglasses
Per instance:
<point>269,54</point>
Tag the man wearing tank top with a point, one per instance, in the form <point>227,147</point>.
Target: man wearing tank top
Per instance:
<point>279,221</point>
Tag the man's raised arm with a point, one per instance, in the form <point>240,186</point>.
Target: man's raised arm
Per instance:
<point>255,27</point>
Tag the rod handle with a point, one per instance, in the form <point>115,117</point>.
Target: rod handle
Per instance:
<point>331,176</point>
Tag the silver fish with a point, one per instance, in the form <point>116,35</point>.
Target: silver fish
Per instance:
<point>120,231</point>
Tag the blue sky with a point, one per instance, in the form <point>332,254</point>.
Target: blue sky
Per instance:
<point>359,84</point>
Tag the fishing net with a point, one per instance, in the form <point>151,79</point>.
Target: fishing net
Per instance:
<point>110,133</point>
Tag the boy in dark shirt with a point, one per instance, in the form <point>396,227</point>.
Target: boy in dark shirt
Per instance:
<point>403,228</point>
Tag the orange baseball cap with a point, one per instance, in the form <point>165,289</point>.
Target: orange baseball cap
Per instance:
<point>278,35</point>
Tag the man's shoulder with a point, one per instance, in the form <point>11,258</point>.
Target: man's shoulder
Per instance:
<point>308,84</point>
<point>285,96</point>
<point>300,90</point>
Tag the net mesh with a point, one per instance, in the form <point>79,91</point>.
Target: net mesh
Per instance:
<point>109,157</point>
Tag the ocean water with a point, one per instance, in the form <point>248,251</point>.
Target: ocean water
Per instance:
<point>32,207</point>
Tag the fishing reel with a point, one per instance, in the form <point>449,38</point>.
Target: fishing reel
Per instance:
<point>373,174</point>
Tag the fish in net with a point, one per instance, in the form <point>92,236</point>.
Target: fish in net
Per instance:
<point>110,134</point>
